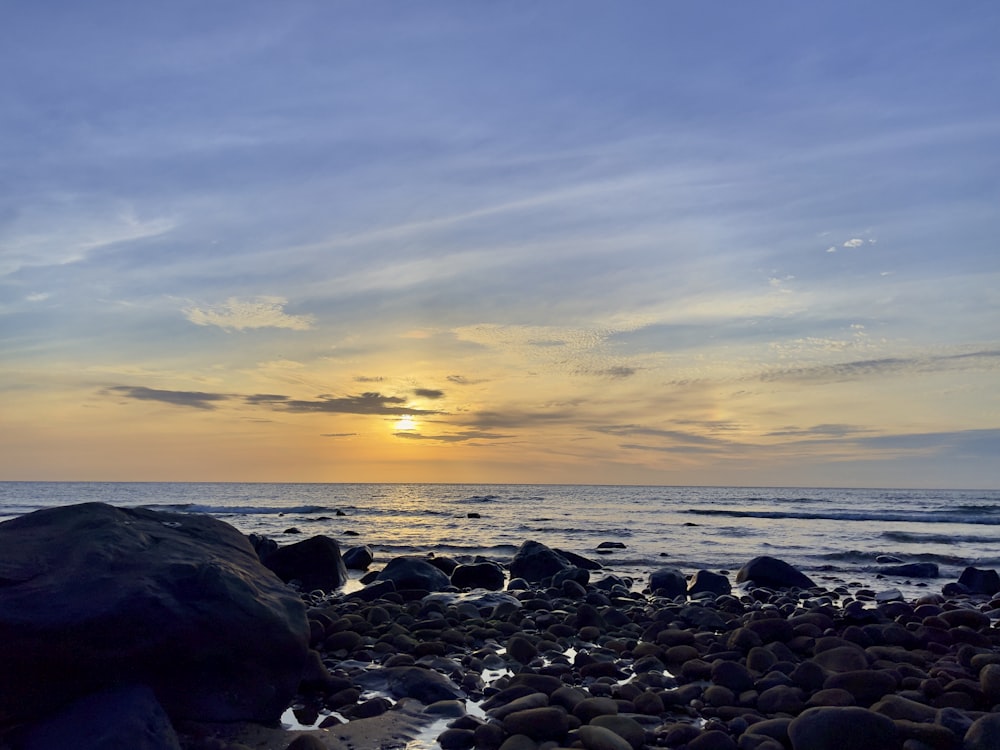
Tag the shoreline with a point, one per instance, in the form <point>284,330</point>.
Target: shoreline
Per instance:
<point>753,668</point>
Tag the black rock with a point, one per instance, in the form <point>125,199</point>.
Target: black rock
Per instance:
<point>773,573</point>
<point>409,572</point>
<point>96,596</point>
<point>535,562</point>
<point>483,575</point>
<point>911,570</point>
<point>668,581</point>
<point>706,580</point>
<point>979,581</point>
<point>315,563</point>
<point>358,558</point>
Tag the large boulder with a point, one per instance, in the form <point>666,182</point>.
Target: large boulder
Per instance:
<point>535,562</point>
<point>93,596</point>
<point>314,563</point>
<point>773,573</point>
<point>408,572</point>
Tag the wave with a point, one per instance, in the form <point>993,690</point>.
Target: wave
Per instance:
<point>910,537</point>
<point>850,515</point>
<point>239,510</point>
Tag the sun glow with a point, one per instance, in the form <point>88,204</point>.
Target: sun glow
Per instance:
<point>405,423</point>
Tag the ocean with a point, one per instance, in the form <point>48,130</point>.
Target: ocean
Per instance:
<point>833,535</point>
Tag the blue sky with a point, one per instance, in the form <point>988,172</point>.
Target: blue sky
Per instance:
<point>572,241</point>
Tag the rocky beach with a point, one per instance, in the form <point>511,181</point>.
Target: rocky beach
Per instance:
<point>142,629</point>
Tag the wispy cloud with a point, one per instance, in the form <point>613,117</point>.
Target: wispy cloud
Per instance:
<point>192,399</point>
<point>365,403</point>
<point>241,314</point>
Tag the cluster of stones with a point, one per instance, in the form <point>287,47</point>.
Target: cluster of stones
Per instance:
<point>117,626</point>
<point>686,664</point>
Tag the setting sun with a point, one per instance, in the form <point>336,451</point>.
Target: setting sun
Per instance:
<point>406,423</point>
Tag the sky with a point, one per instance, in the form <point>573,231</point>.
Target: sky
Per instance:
<point>667,243</point>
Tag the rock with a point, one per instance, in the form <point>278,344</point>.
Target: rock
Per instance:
<point>849,728</point>
<point>773,573</point>
<point>426,685</point>
<point>668,581</point>
<point>456,739</point>
<point>713,739</point>
<point>590,708</point>
<point>979,581</point>
<point>535,562</point>
<point>358,558</point>
<point>482,575</point>
<point>866,685</point>
<point>408,572</point>
<point>911,570</point>
<point>706,580</point>
<point>96,596</point>
<point>126,717</point>
<point>898,707</point>
<point>989,682</point>
<point>781,699</point>
<point>984,734</point>
<point>625,727</point>
<point>540,724</point>
<point>315,563</point>
<point>521,649</point>
<point>596,737</point>
<point>306,742</point>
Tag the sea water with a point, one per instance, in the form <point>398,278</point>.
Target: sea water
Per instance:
<point>833,535</point>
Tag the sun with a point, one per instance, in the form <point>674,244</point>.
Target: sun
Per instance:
<point>406,423</point>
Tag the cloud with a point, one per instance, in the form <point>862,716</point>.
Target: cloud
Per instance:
<point>676,436</point>
<point>365,403</point>
<point>428,393</point>
<point>241,314</point>
<point>855,242</point>
<point>338,434</point>
<point>824,431</point>
<point>463,380</point>
<point>616,373</point>
<point>512,419</point>
<point>960,444</point>
<point>454,437</point>
<point>843,371</point>
<point>192,399</point>
<point>368,379</point>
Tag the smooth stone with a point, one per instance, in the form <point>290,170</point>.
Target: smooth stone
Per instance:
<point>625,727</point>
<point>713,739</point>
<point>980,581</point>
<point>358,558</point>
<point>409,572</point>
<point>668,581</point>
<point>483,575</point>
<point>316,563</point>
<point>456,739</point>
<point>534,561</point>
<point>866,685</point>
<point>532,700</point>
<point>989,682</point>
<point>848,728</point>
<point>590,708</point>
<point>707,581</point>
<point>773,573</point>
<point>984,734</point>
<point>781,699</point>
<point>596,737</point>
<point>898,707</point>
<point>540,724</point>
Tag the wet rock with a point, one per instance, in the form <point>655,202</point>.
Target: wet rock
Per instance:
<point>984,734</point>
<point>773,573</point>
<point>911,570</point>
<point>358,558</point>
<point>866,685</point>
<point>535,562</point>
<point>483,575</point>
<point>980,581</point>
<point>707,581</point>
<point>668,581</point>
<point>627,728</point>
<point>540,724</point>
<point>408,572</point>
<point>316,563</point>
<point>713,739</point>
<point>848,728</point>
<point>97,596</point>
<point>589,709</point>
<point>595,737</point>
<point>425,685</point>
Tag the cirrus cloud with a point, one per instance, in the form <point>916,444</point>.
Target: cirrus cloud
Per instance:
<point>241,314</point>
